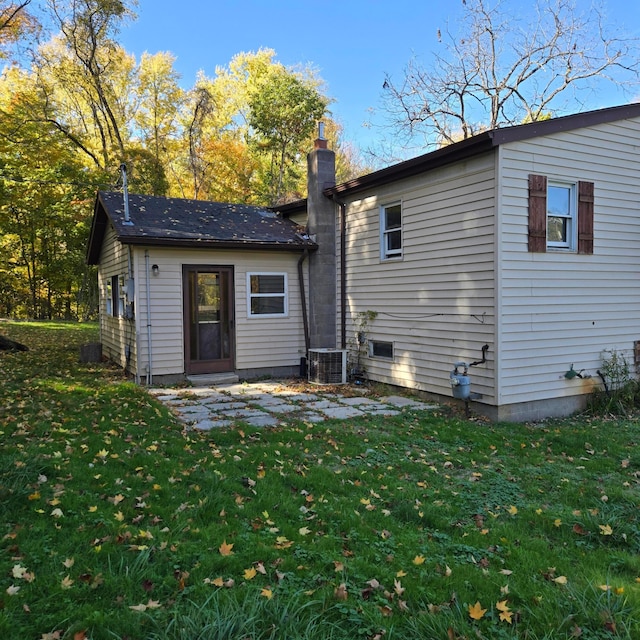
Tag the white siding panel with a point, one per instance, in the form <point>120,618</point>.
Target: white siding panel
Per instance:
<point>117,335</point>
<point>558,309</point>
<point>435,304</point>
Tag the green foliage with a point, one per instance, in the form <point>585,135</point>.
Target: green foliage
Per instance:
<point>621,393</point>
<point>116,518</point>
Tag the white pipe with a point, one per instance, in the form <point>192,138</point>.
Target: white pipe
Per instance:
<point>148,283</point>
<point>125,194</point>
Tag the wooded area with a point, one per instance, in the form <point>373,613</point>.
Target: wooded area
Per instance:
<point>74,105</point>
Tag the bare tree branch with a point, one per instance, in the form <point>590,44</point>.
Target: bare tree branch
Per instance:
<point>493,72</point>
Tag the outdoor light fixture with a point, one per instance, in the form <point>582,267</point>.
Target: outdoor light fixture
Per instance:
<point>155,269</point>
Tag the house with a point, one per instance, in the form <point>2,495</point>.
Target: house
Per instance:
<point>192,287</point>
<point>514,252</point>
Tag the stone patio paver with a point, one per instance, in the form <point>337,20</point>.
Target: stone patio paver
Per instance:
<point>267,403</point>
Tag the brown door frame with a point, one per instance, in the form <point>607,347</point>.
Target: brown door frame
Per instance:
<point>214,365</point>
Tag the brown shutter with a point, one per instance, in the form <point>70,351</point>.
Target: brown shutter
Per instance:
<point>585,217</point>
<point>537,213</point>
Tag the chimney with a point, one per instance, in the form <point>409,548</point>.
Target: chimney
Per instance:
<point>321,213</point>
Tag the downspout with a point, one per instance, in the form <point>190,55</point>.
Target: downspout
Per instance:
<point>148,282</point>
<point>303,302</point>
<point>130,315</point>
<point>343,272</point>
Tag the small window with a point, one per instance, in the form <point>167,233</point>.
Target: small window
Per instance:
<point>109,296</point>
<point>391,231</point>
<point>379,349</point>
<point>267,294</point>
<point>561,215</point>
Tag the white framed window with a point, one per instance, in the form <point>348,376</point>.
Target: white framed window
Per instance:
<point>379,349</point>
<point>561,215</point>
<point>115,296</point>
<point>391,231</point>
<point>267,295</point>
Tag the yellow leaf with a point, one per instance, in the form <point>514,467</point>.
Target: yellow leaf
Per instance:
<point>418,560</point>
<point>606,530</point>
<point>225,549</point>
<point>68,563</point>
<point>66,583</point>
<point>34,496</point>
<point>513,510</point>
<point>303,531</point>
<point>119,516</point>
<point>93,509</point>
<point>557,522</point>
<point>505,612</point>
<point>476,612</point>
<point>604,587</point>
<point>365,501</point>
<point>218,582</point>
<point>401,574</point>
<point>267,593</point>
<point>619,591</point>
<point>561,580</point>
<point>338,566</point>
<point>117,499</point>
<point>250,574</point>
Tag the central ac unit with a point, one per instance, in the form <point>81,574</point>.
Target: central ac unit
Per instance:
<point>328,366</point>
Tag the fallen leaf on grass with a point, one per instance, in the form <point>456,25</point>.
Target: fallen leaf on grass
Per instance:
<point>418,560</point>
<point>505,613</point>
<point>267,593</point>
<point>340,592</point>
<point>476,612</point>
<point>151,604</point>
<point>226,549</point>
<point>66,583</point>
<point>606,530</point>
<point>250,574</point>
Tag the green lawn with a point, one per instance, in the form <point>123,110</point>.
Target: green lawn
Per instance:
<point>116,523</point>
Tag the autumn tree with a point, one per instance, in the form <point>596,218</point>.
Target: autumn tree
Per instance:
<point>84,73</point>
<point>43,210</point>
<point>15,23</point>
<point>283,114</point>
<point>500,69</point>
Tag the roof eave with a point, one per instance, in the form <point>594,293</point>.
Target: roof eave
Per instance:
<point>446,155</point>
<point>250,245</point>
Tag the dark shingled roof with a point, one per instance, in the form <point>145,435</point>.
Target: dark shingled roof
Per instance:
<point>161,221</point>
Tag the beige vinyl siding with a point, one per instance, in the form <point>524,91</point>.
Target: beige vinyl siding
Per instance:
<point>116,334</point>
<point>259,342</point>
<point>436,303</point>
<point>557,309</point>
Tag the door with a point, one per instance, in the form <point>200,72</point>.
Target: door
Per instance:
<point>208,319</point>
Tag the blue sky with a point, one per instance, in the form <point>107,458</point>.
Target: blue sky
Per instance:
<point>351,43</point>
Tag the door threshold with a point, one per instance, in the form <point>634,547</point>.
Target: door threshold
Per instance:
<point>213,379</point>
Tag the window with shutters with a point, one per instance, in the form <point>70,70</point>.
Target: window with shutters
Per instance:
<point>560,215</point>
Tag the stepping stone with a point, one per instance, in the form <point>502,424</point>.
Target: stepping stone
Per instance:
<point>341,413</point>
<point>357,402</point>
<point>207,425</point>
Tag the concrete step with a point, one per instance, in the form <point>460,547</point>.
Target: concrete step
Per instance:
<point>213,379</point>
